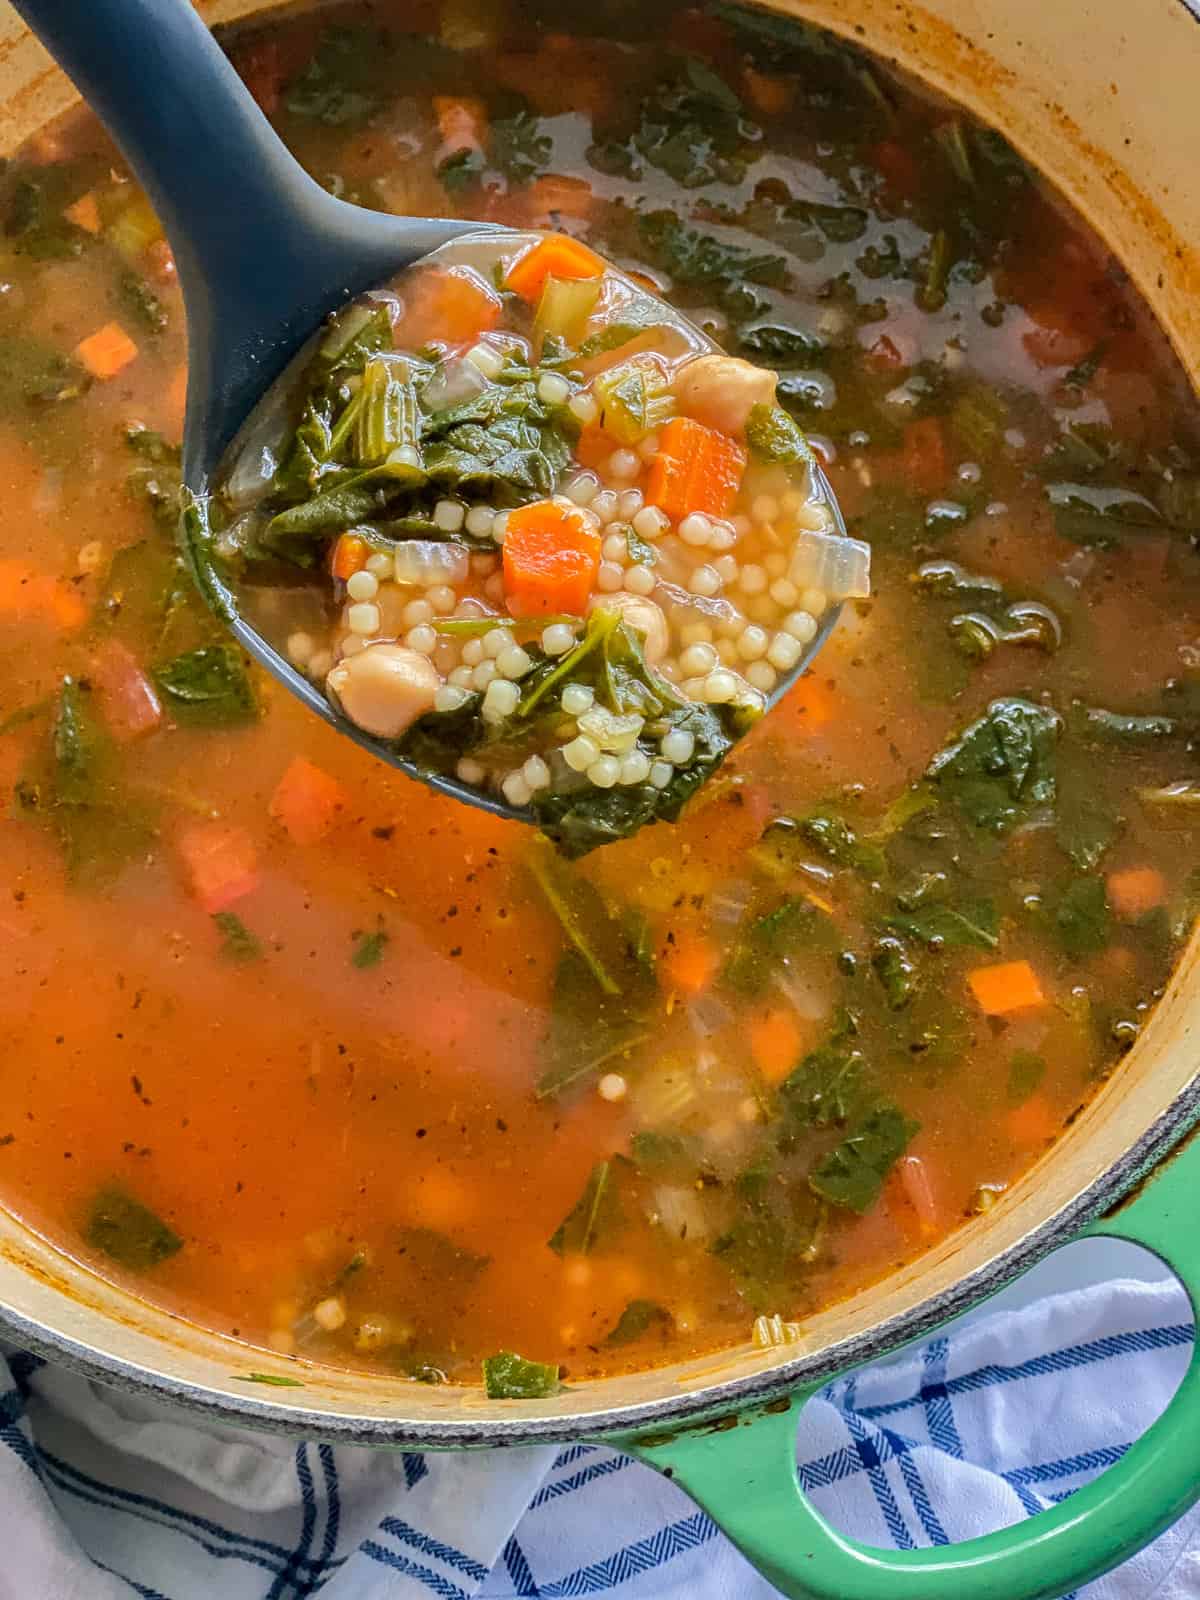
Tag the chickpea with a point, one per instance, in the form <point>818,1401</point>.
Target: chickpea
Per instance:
<point>385,688</point>
<point>720,391</point>
<point>644,616</point>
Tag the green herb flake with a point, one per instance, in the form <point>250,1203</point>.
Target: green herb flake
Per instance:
<point>507,1376</point>
<point>368,949</point>
<point>238,944</point>
<point>1002,767</point>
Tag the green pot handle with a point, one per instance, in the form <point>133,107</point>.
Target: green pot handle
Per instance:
<point>744,1473</point>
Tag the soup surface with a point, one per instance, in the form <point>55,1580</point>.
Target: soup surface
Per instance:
<point>319,1058</point>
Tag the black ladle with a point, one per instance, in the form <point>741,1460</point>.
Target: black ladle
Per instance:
<point>262,251</point>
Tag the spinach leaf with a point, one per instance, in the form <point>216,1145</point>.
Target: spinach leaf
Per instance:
<point>852,1174</point>
<point>434,1259</point>
<point>665,1154</point>
<point>830,836</point>
<point>32,373</point>
<point>1082,917</point>
<point>596,934</point>
<point>128,1232</point>
<point>158,478</point>
<point>208,687</point>
<point>1120,727</point>
<point>508,1376</point>
<point>368,949</point>
<point>828,1086</point>
<point>340,87</point>
<point>974,924</point>
<point>1002,767</point>
<point>238,944</point>
<point>639,1318</point>
<point>595,1214</point>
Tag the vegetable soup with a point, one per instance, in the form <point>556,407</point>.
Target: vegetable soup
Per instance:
<point>353,1071</point>
<point>524,492</point>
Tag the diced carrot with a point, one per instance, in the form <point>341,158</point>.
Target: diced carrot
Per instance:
<point>924,455</point>
<point>462,122</point>
<point>307,801</point>
<point>1033,1123</point>
<point>1006,986</point>
<point>898,167</point>
<point>160,261</point>
<point>594,446</point>
<point>688,963</point>
<point>85,213</point>
<point>811,702</point>
<point>551,556</point>
<point>260,67</point>
<point>766,93</point>
<point>776,1041</point>
<point>27,592</point>
<point>450,305</point>
<point>106,352</point>
<point>349,556</point>
<point>696,469</point>
<point>884,355</point>
<point>1135,891</point>
<point>911,1182</point>
<point>127,699</point>
<point>556,256</point>
<point>557,196</point>
<point>220,862</point>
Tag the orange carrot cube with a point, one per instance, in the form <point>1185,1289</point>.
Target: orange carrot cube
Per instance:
<point>1006,986</point>
<point>307,802</point>
<point>220,862</point>
<point>106,352</point>
<point>696,469</point>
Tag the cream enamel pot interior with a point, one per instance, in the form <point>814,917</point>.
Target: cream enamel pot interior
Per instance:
<point>1102,96</point>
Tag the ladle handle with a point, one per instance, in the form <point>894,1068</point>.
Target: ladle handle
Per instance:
<point>262,251</point>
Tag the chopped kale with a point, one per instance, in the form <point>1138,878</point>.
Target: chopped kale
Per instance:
<point>970,923</point>
<point>828,1087</point>
<point>33,374</point>
<point>1002,767</point>
<point>519,149</point>
<point>896,970</point>
<point>209,687</point>
<point>762,942</point>
<point>140,299</point>
<point>1026,1070</point>
<point>508,1376</point>
<point>773,436</point>
<point>341,86</point>
<point>698,260</point>
<point>128,1232</point>
<point>852,1174</point>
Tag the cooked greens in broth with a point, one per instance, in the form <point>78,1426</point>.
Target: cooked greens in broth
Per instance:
<point>525,493</point>
<point>356,1073</point>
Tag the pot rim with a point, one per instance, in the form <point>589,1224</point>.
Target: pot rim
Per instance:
<point>667,1413</point>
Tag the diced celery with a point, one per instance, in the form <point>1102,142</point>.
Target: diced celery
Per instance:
<point>387,416</point>
<point>564,308</point>
<point>635,401</point>
<point>134,228</point>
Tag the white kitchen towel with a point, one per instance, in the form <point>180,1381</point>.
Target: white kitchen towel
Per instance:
<point>104,1496</point>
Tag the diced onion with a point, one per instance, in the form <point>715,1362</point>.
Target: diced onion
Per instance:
<point>833,563</point>
<point>770,1332</point>
<point>680,1211</point>
<point>429,561</point>
<point>457,382</point>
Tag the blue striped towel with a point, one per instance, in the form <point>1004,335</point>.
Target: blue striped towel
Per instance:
<point>104,1496</point>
